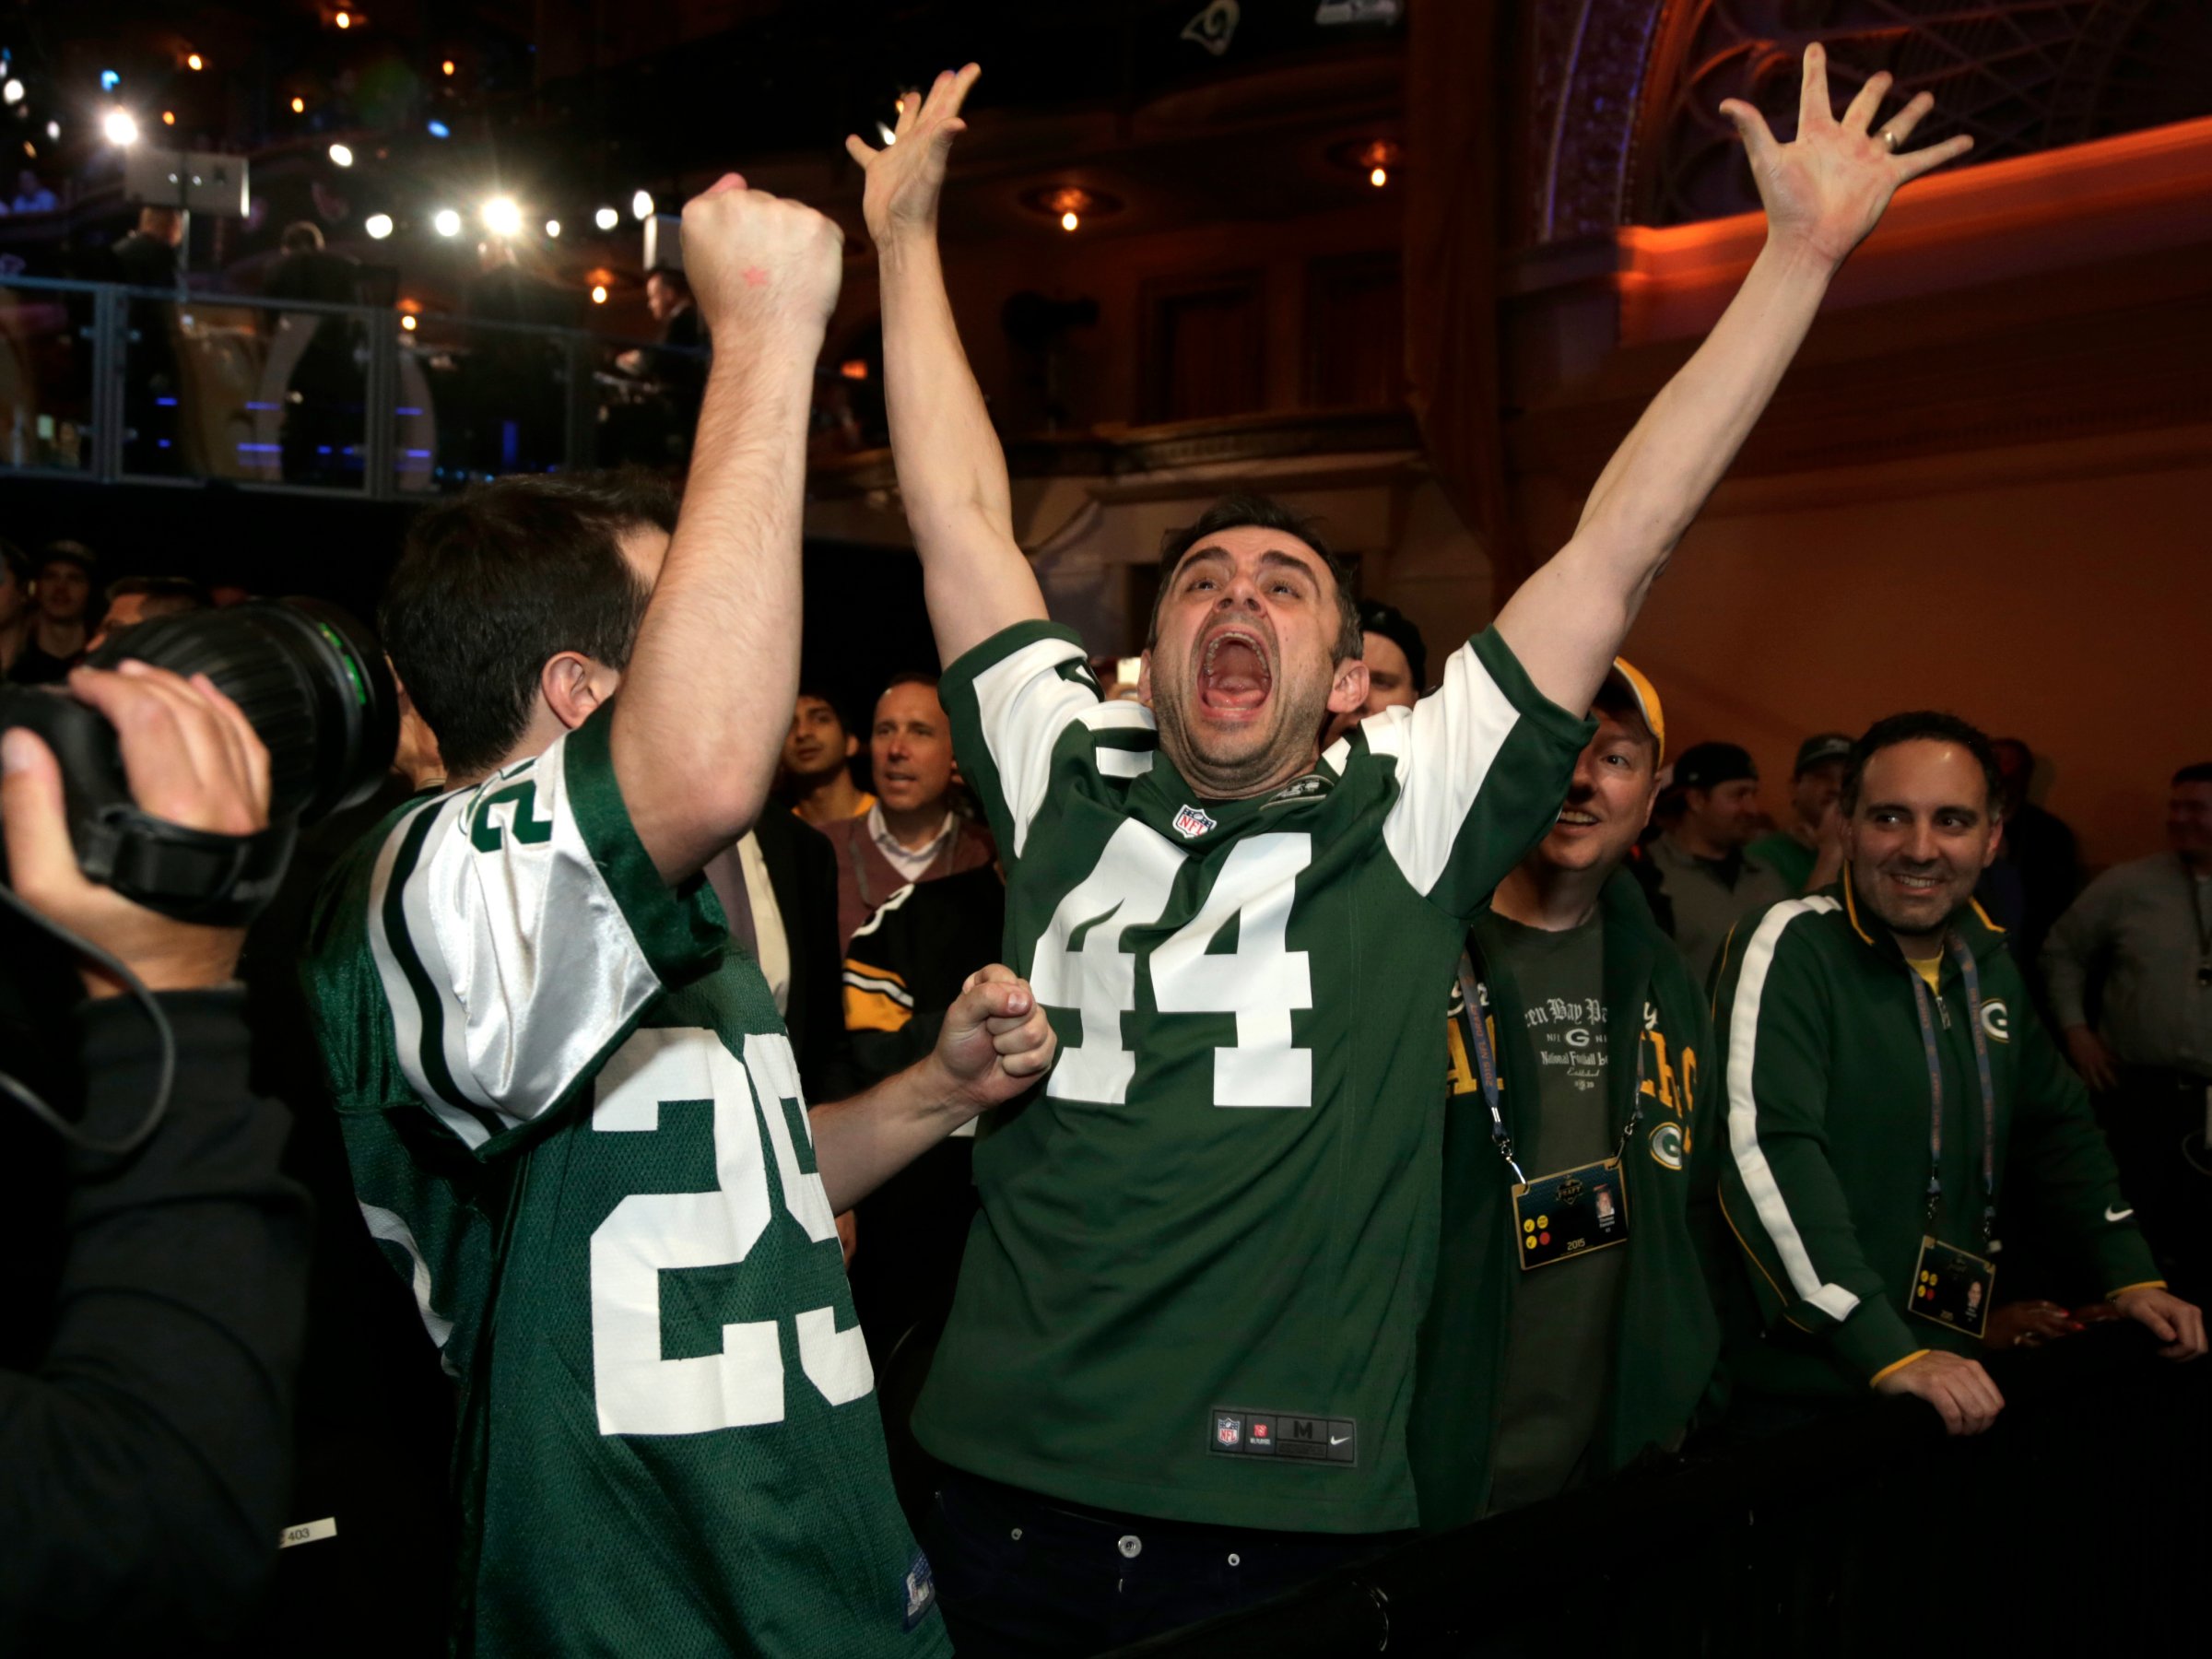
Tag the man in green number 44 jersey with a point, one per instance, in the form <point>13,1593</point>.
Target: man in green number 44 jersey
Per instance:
<point>1177,1373</point>
<point>572,1113</point>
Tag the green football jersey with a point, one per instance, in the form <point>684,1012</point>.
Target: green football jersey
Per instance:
<point>1203,1248</point>
<point>575,1127</point>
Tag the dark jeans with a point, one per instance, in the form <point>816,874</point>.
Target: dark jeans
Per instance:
<point>1020,1574</point>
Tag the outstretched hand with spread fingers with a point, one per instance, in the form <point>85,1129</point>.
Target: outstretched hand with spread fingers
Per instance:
<point>1829,186</point>
<point>907,175</point>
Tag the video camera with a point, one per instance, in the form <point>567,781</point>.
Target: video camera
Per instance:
<point>313,685</point>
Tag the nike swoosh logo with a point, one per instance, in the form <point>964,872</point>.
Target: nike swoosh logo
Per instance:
<point>2112,1215</point>
<point>1338,1439</point>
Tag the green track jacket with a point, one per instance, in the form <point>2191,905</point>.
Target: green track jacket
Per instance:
<point>1825,1183</point>
<point>1668,1342</point>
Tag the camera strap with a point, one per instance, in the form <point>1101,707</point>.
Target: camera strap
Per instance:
<point>191,875</point>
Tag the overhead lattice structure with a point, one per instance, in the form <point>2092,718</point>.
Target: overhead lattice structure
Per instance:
<point>1624,125</point>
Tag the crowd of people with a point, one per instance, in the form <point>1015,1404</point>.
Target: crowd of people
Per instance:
<point>1328,1097</point>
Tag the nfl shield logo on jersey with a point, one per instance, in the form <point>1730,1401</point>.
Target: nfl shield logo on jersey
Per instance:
<point>1228,1430</point>
<point>1191,823</point>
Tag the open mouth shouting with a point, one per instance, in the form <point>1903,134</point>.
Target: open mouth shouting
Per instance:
<point>1236,673</point>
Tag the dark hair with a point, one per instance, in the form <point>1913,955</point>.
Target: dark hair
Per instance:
<point>1924,726</point>
<point>497,580</point>
<point>18,562</point>
<point>911,677</point>
<point>820,693</point>
<point>68,552</point>
<point>165,595</point>
<point>300,236</point>
<point>1396,627</point>
<point>672,275</point>
<point>2199,774</point>
<point>1260,512</point>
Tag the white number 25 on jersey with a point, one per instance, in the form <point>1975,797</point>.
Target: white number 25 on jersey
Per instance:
<point>1080,964</point>
<point>649,1233</point>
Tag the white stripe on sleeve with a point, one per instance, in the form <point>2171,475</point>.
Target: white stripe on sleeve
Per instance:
<point>391,1226</point>
<point>1025,704</point>
<point>1743,1113</point>
<point>1446,744</point>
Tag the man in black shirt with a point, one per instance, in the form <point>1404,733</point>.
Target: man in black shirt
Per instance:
<point>145,1412</point>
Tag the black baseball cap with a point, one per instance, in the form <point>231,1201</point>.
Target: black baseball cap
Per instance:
<point>1710,765</point>
<point>1819,750</point>
<point>1393,625</point>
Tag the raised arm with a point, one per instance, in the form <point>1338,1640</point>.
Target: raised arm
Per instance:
<point>951,470</point>
<point>703,708</point>
<point>1823,194</point>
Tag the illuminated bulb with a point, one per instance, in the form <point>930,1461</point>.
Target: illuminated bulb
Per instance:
<point>378,225</point>
<point>408,323</point>
<point>641,205</point>
<point>120,127</point>
<point>606,218</point>
<point>344,19</point>
<point>298,106</point>
<point>341,155</point>
<point>13,92</point>
<point>598,293</point>
<point>447,66</point>
<point>1068,221</point>
<point>502,217</point>
<point>446,222</point>
<point>168,118</point>
<point>553,228</point>
<point>196,63</point>
<point>53,129</point>
<point>886,133</point>
<point>1379,177</point>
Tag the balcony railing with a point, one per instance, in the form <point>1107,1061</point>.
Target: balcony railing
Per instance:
<point>112,383</point>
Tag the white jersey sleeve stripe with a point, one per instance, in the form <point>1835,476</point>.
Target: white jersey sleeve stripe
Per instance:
<point>1025,704</point>
<point>390,1226</point>
<point>411,1017</point>
<point>1445,746</point>
<point>1743,1113</point>
<point>531,967</point>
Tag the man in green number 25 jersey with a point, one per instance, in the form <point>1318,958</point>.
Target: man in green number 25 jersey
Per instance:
<point>1178,1368</point>
<point>572,1114</point>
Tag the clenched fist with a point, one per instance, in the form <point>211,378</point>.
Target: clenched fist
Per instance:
<point>757,262</point>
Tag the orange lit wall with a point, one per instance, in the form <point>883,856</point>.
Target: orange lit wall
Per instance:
<point>1986,486</point>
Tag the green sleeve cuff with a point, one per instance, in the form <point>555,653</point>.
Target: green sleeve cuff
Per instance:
<point>2124,1259</point>
<point>1873,1338</point>
<point>1567,730</point>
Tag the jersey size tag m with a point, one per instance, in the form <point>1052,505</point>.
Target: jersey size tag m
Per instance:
<point>1232,1431</point>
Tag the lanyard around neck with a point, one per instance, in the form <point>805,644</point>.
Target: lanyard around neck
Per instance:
<point>1971,974</point>
<point>1486,1069</point>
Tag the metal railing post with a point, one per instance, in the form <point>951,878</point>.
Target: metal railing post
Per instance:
<point>380,408</point>
<point>111,316</point>
<point>578,438</point>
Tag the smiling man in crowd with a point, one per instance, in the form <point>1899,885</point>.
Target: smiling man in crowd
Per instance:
<point>1893,1098</point>
<point>1578,1042</point>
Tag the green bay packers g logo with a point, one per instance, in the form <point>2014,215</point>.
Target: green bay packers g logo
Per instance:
<point>1996,1021</point>
<point>1666,1144</point>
